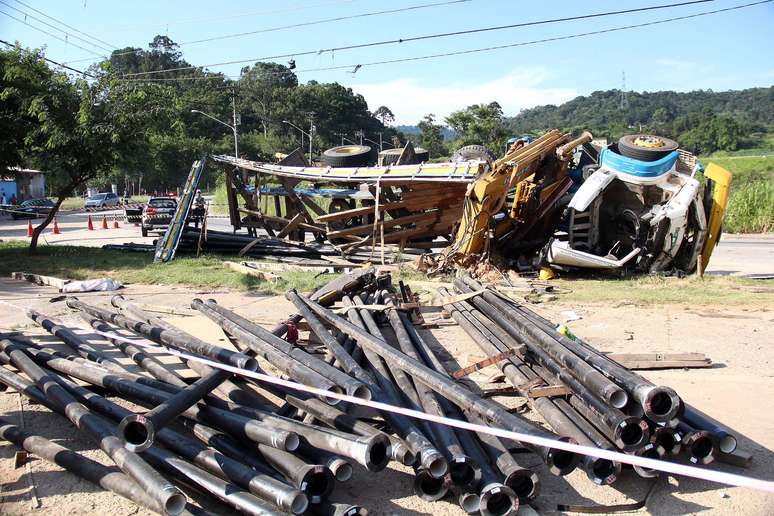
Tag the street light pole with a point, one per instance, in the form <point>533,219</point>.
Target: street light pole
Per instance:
<point>311,134</point>
<point>232,127</point>
<point>302,136</point>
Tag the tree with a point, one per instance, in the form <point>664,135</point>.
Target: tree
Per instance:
<point>431,137</point>
<point>481,124</point>
<point>384,114</point>
<point>74,130</point>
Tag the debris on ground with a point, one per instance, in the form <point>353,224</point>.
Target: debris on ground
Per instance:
<point>281,441</point>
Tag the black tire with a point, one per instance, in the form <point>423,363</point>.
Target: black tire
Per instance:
<point>144,231</point>
<point>472,152</point>
<point>633,146</point>
<point>347,156</point>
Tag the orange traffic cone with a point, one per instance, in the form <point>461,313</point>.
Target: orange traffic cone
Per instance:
<point>91,224</point>
<point>56,228</point>
<point>115,222</point>
<point>29,229</point>
<point>104,222</point>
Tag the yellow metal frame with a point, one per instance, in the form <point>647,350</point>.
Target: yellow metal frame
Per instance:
<point>722,179</point>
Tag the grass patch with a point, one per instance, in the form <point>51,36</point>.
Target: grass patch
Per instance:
<point>751,203</point>
<point>207,271</point>
<point>659,290</point>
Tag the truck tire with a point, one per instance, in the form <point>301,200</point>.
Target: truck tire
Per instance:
<point>646,147</point>
<point>472,152</point>
<point>347,156</point>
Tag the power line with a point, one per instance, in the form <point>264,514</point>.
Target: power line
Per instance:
<point>85,74</point>
<point>49,34</point>
<point>326,20</point>
<point>63,23</point>
<point>477,50</point>
<point>426,37</point>
<point>27,15</point>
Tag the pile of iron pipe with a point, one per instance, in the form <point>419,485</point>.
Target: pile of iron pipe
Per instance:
<point>608,406</point>
<point>255,446</point>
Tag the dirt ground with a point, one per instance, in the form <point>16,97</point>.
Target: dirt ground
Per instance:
<point>737,391</point>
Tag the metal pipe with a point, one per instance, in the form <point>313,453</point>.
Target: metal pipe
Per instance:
<point>535,338</point>
<point>697,419</point>
<point>166,494</point>
<point>627,432</point>
<point>338,509</point>
<point>75,342</point>
<point>147,362</point>
<point>699,446</point>
<point>667,439</point>
<point>649,451</point>
<point>339,466</point>
<point>659,403</point>
<point>177,339</point>
<point>345,360</point>
<point>335,418</point>
<point>430,459</point>
<point>463,470</point>
<point>216,486</point>
<point>314,480</point>
<point>138,430</point>
<point>77,464</point>
<point>258,483</point>
<point>264,343</point>
<point>221,414</point>
<point>429,487</point>
<point>522,481</point>
<point>456,393</point>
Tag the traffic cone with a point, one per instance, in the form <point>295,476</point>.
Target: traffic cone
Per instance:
<point>91,224</point>
<point>104,222</point>
<point>29,229</point>
<point>56,228</point>
<point>115,222</point>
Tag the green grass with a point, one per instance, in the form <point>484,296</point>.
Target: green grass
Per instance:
<point>659,290</point>
<point>751,203</point>
<point>207,271</point>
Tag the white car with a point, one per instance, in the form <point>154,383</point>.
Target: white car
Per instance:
<point>102,200</point>
<point>640,209</point>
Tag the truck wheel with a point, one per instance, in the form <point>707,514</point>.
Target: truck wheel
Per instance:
<point>347,156</point>
<point>646,147</point>
<point>472,152</point>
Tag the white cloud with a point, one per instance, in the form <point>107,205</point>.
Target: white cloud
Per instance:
<point>410,100</point>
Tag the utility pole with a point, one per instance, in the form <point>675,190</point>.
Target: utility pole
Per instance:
<point>359,133</point>
<point>381,143</point>
<point>312,130</point>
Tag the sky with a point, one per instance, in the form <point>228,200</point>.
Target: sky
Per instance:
<point>729,50</point>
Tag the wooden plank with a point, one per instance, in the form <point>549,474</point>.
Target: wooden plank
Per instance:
<point>472,368</point>
<point>293,224</point>
<point>667,364</point>
<point>249,271</point>
<point>368,228</point>
<point>631,357</point>
<point>548,391</point>
<point>420,202</point>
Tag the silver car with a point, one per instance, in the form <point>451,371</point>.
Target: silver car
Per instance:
<point>102,200</point>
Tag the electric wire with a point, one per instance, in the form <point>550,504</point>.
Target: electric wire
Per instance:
<point>456,53</point>
<point>85,74</point>
<point>425,37</point>
<point>50,34</point>
<point>27,15</point>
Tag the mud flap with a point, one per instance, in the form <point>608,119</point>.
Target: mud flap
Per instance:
<point>720,190</point>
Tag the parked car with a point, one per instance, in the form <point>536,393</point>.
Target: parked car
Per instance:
<point>157,214</point>
<point>102,200</point>
<point>32,209</point>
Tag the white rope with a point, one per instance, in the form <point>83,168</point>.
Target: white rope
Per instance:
<point>660,465</point>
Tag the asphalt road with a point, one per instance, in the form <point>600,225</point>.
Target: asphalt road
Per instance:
<point>738,255</point>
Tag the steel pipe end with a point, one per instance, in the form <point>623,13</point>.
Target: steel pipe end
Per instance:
<point>498,500</point>
<point>649,451</point>
<point>137,432</point>
<point>661,404</point>
<point>667,439</point>
<point>602,472</point>
<point>399,452</point>
<point>317,482</point>
<point>464,472</point>
<point>288,441</point>
<point>341,469</point>
<point>727,443</point>
<point>616,396</point>
<point>348,510</point>
<point>470,502</point>
<point>631,433</point>
<point>333,401</point>
<point>377,454</point>
<point>174,502</point>
<point>700,446</point>
<point>561,462</point>
<point>117,300</point>
<point>248,363</point>
<point>432,461</point>
<point>429,487</point>
<point>524,482</point>
<point>360,391</point>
